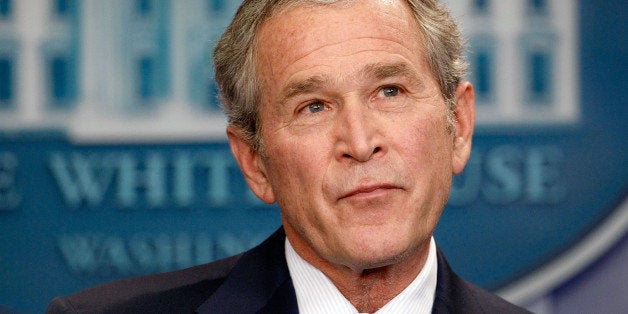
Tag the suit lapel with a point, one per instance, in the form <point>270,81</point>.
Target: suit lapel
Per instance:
<point>452,294</point>
<point>283,300</point>
<point>259,283</point>
<point>443,299</point>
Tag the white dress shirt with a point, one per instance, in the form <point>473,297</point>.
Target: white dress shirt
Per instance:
<point>317,294</point>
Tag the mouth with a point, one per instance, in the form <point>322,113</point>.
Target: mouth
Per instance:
<point>368,191</point>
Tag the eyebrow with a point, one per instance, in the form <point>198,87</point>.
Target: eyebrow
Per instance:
<point>302,87</point>
<point>381,71</point>
<point>374,71</point>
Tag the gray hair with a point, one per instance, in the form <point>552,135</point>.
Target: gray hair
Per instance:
<point>236,65</point>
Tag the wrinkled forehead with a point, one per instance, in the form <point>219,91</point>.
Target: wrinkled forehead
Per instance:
<point>311,27</point>
<point>282,6</point>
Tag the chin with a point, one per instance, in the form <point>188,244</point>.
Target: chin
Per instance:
<point>377,255</point>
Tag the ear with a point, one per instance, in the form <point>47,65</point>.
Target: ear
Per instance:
<point>465,121</point>
<point>251,164</point>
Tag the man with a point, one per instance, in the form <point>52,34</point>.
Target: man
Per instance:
<point>352,116</point>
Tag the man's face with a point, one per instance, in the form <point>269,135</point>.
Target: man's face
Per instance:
<point>356,147</point>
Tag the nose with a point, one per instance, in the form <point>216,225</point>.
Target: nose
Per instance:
<point>358,134</point>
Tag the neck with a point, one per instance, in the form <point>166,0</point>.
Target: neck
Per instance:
<point>368,289</point>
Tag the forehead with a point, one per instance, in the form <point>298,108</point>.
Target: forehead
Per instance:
<point>321,30</point>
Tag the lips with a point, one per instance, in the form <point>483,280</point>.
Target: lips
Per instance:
<point>368,190</point>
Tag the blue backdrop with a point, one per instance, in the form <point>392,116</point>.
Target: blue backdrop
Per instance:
<point>103,174</point>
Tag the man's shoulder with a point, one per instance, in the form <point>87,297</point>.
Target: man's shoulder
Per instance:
<point>165,292</point>
<point>456,295</point>
<point>489,302</point>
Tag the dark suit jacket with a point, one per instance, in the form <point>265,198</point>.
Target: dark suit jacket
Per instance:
<point>257,281</point>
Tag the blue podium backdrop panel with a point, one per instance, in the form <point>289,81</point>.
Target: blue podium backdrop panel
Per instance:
<point>114,162</point>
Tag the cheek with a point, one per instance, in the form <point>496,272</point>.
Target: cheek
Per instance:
<point>428,139</point>
<point>427,151</point>
<point>295,171</point>
<point>296,177</point>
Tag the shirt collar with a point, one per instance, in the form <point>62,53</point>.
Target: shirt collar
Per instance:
<point>317,294</point>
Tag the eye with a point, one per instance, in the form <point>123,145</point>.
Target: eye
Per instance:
<point>316,106</point>
<point>389,91</point>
